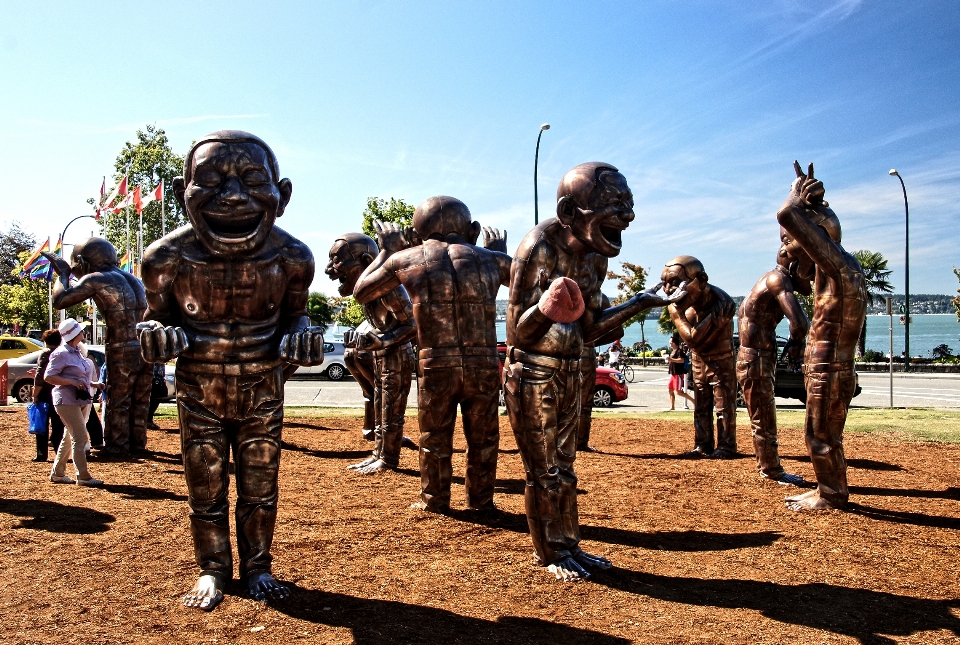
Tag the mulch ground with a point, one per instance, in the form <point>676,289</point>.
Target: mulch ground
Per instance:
<point>704,551</point>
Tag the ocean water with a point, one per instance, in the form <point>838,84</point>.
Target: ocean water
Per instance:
<point>926,332</point>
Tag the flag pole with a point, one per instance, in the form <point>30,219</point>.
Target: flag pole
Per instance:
<point>50,305</point>
<point>163,216</point>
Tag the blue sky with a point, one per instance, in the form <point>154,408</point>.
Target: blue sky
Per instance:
<point>702,105</point>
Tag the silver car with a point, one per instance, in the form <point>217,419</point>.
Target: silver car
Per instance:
<point>333,366</point>
<point>21,370</point>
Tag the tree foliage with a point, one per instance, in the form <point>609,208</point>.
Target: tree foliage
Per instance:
<point>13,242</point>
<point>876,275</point>
<point>942,351</point>
<point>630,282</point>
<point>26,301</point>
<point>320,309</point>
<point>665,323</point>
<point>395,210</point>
<point>956,301</point>
<point>145,163</point>
<point>347,312</point>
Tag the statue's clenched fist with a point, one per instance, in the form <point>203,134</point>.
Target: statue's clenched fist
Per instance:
<point>363,341</point>
<point>304,347</point>
<point>159,344</point>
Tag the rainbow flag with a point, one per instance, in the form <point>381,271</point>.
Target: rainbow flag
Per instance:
<point>126,263</point>
<point>36,257</point>
<point>58,249</point>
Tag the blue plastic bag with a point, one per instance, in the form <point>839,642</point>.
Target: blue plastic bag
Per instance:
<point>39,414</point>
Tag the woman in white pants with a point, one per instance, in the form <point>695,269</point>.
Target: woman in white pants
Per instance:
<point>69,373</point>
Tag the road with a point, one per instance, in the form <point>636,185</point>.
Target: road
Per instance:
<point>648,393</point>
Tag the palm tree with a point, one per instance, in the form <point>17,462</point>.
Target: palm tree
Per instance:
<point>875,274</point>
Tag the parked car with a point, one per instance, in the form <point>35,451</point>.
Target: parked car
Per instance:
<point>610,388</point>
<point>789,383</point>
<point>16,346</point>
<point>21,370</point>
<point>333,367</point>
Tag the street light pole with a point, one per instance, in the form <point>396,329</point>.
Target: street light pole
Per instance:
<point>536,160</point>
<point>906,275</point>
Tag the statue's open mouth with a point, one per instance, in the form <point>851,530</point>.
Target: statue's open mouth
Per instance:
<point>612,234</point>
<point>233,226</point>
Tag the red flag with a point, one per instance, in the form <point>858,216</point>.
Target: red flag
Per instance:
<point>158,193</point>
<point>119,189</point>
<point>103,194</point>
<point>137,201</point>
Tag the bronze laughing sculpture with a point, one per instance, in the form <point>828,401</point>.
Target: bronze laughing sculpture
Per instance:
<point>121,300</point>
<point>453,285</point>
<point>811,232</point>
<point>556,307</point>
<point>704,320</point>
<point>386,339</point>
<point>761,311</point>
<point>227,293</point>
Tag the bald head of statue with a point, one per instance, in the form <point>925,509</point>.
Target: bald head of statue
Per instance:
<point>232,192</point>
<point>446,219</point>
<point>94,254</point>
<point>596,204</point>
<point>684,269</point>
<point>350,254</point>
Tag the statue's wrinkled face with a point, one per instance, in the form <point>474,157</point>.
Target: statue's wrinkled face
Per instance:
<point>233,199</point>
<point>673,275</point>
<point>797,260</point>
<point>344,267</point>
<point>600,227</point>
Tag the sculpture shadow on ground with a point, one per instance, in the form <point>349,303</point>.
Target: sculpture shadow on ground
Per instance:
<point>951,493</point>
<point>311,426</point>
<point>325,454</point>
<point>42,515</point>
<point>902,517</point>
<point>373,622</point>
<point>129,491</point>
<point>684,541</point>
<point>869,616</point>
<point>162,457</point>
<point>862,464</point>
<point>662,455</point>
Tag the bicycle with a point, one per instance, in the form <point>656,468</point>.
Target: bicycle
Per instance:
<point>626,370</point>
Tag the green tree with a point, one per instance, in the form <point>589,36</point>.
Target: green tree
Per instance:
<point>26,301</point>
<point>395,210</point>
<point>319,309</point>
<point>956,301</point>
<point>876,275</point>
<point>665,323</point>
<point>347,312</point>
<point>145,163</point>
<point>13,242</point>
<point>629,283</point>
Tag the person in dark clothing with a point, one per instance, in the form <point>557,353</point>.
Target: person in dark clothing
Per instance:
<point>158,390</point>
<point>43,393</point>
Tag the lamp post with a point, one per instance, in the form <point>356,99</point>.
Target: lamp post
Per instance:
<point>536,159</point>
<point>906,275</point>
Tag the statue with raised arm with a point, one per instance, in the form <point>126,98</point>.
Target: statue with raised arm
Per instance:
<point>811,233</point>
<point>772,298</point>
<point>385,337</point>
<point>704,320</point>
<point>555,308</point>
<point>121,300</point>
<point>453,286</point>
<point>227,293</point>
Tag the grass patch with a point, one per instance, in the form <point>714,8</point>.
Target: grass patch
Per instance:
<point>908,424</point>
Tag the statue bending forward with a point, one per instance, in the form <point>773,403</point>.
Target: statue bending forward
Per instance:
<point>389,327</point>
<point>228,294</point>
<point>121,300</point>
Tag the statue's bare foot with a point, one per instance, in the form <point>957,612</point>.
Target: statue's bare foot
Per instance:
<point>568,570</point>
<point>363,464</point>
<point>375,467</point>
<point>369,434</point>
<point>409,444</point>
<point>587,449</point>
<point>206,594</point>
<point>263,587</point>
<point>723,453</point>
<point>423,506</point>
<point>789,479</point>
<point>811,501</point>
<point>587,560</point>
<point>696,453</point>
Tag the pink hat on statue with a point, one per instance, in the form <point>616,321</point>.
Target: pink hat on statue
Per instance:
<point>70,329</point>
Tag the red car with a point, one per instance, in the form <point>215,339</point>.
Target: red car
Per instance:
<point>611,386</point>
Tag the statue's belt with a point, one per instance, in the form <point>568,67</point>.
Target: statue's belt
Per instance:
<point>810,368</point>
<point>380,353</point>
<point>226,369</point>
<point>719,356</point>
<point>438,352</point>
<point>749,351</point>
<point>551,362</point>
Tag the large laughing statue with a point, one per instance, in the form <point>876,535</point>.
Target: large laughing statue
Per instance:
<point>556,307</point>
<point>228,294</point>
